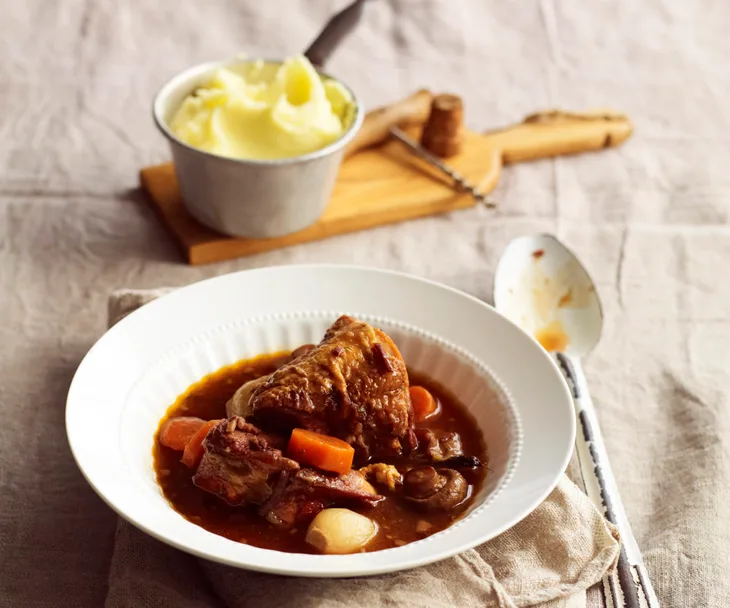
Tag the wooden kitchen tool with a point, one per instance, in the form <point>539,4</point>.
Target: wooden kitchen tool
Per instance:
<point>388,184</point>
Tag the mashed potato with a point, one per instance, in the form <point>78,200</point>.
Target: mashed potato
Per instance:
<point>259,110</point>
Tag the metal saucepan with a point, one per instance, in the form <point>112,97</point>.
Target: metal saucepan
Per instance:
<point>257,198</point>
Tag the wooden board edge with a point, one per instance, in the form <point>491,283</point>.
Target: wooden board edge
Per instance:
<point>202,253</point>
<point>182,246</point>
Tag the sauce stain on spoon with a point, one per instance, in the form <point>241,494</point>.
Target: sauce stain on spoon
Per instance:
<point>552,337</point>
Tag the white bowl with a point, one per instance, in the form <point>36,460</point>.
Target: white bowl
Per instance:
<point>134,372</point>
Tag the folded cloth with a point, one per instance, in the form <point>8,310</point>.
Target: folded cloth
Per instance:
<point>549,559</point>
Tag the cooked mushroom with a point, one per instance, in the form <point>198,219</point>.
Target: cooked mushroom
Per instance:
<point>434,490</point>
<point>238,404</point>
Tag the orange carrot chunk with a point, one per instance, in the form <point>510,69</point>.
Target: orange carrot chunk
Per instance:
<point>176,432</point>
<point>423,403</point>
<point>194,448</point>
<point>322,451</point>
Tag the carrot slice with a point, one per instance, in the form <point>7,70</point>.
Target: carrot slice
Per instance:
<point>322,451</point>
<point>176,432</point>
<point>423,403</point>
<point>194,448</point>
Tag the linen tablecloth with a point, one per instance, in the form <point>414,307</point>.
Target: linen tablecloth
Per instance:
<point>650,220</point>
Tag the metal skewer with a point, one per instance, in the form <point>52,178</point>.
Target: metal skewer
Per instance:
<point>435,161</point>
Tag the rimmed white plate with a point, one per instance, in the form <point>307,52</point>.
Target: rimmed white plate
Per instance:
<point>135,371</point>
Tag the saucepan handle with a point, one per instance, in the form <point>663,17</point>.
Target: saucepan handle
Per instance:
<point>602,490</point>
<point>339,26</point>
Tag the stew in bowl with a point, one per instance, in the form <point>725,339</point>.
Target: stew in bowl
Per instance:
<point>332,448</point>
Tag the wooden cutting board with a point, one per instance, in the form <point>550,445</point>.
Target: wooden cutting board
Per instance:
<point>388,184</point>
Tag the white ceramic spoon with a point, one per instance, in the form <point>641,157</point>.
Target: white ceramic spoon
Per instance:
<point>542,287</point>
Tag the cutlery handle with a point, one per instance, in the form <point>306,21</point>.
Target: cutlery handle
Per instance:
<point>601,486</point>
<point>339,26</point>
<point>556,132</point>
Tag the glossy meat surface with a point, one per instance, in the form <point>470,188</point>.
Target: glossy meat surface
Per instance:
<point>352,385</point>
<point>240,463</point>
<point>311,491</point>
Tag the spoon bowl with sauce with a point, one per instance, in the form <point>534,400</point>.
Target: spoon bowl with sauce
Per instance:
<point>542,287</point>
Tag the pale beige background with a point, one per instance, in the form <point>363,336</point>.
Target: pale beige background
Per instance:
<point>649,219</point>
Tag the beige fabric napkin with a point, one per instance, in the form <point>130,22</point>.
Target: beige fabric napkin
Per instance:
<point>549,559</point>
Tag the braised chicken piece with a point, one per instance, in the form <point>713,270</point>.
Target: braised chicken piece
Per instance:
<point>352,385</point>
<point>311,491</point>
<point>239,404</point>
<point>241,465</point>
